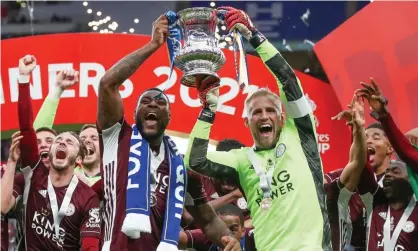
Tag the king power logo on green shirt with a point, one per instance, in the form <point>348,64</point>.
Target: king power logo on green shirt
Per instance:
<point>280,185</point>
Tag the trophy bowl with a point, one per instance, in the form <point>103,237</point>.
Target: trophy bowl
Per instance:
<point>199,56</point>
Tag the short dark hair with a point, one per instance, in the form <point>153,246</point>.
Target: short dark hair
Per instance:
<point>87,126</point>
<point>376,125</point>
<point>46,129</point>
<point>228,145</point>
<point>230,209</point>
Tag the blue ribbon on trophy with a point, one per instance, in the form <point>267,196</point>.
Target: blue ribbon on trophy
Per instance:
<point>174,38</point>
<point>241,67</point>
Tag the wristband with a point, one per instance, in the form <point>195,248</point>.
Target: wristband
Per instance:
<point>55,93</point>
<point>207,115</point>
<point>257,39</point>
<point>23,79</point>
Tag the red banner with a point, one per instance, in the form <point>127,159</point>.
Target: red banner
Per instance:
<point>380,41</point>
<point>92,54</point>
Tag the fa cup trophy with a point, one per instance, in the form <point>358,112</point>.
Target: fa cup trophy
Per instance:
<point>192,45</point>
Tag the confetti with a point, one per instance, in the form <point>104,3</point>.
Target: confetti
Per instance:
<point>305,17</point>
<point>307,70</point>
<point>288,48</point>
<point>306,41</point>
<point>284,41</point>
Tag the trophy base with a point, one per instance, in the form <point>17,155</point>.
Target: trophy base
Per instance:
<point>189,78</point>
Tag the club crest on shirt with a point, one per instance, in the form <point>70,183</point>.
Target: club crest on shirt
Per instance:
<point>409,227</point>
<point>280,150</point>
<point>242,203</point>
<point>153,201</point>
<point>43,192</point>
<point>383,215</point>
<point>44,212</point>
<point>70,209</point>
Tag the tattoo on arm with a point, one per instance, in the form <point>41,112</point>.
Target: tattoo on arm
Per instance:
<point>110,102</point>
<point>213,227</point>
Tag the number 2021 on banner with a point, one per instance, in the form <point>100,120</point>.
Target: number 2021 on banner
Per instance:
<point>195,102</point>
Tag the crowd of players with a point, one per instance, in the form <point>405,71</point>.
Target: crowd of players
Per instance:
<point>83,191</point>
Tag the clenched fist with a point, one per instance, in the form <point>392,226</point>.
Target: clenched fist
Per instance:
<point>160,31</point>
<point>66,78</point>
<point>208,88</point>
<point>27,64</point>
<point>238,19</point>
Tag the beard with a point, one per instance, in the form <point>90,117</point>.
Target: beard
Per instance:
<point>150,136</point>
<point>70,161</point>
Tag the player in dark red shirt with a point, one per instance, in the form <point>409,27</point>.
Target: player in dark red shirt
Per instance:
<point>345,211</point>
<point>233,218</point>
<point>349,204</point>
<point>400,142</point>
<point>61,213</point>
<point>399,231</point>
<point>379,149</point>
<point>151,118</point>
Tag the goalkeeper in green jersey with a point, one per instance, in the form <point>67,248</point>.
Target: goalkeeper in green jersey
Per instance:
<point>281,175</point>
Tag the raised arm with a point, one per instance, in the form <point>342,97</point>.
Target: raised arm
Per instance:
<point>110,108</point>
<point>200,210</point>
<point>213,227</point>
<point>46,114</point>
<point>350,177</point>
<point>213,164</point>
<point>28,144</point>
<point>294,101</point>
<point>197,193</point>
<point>7,181</point>
<point>400,142</point>
<point>405,150</point>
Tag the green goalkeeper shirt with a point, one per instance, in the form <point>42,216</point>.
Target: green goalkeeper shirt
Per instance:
<point>297,219</point>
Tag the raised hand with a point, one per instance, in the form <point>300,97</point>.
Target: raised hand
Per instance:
<point>208,89</point>
<point>160,31</point>
<point>14,152</point>
<point>67,78</point>
<point>238,19</point>
<point>27,64</point>
<point>358,112</point>
<point>230,244</point>
<point>354,116</point>
<point>373,94</point>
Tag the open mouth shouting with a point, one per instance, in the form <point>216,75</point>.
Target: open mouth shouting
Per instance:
<point>151,119</point>
<point>90,150</point>
<point>44,154</point>
<point>371,151</point>
<point>61,153</point>
<point>266,130</point>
